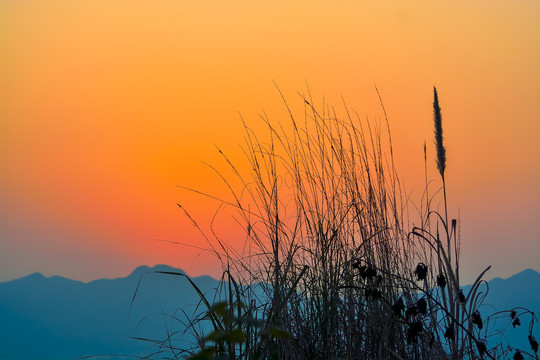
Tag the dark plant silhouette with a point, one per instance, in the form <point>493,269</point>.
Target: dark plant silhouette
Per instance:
<point>421,271</point>
<point>462,298</point>
<point>330,270</point>
<point>477,319</point>
<point>534,344</point>
<point>441,281</point>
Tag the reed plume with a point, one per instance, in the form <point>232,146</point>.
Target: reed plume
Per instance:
<point>441,150</point>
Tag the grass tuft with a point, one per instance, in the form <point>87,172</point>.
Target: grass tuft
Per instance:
<point>330,269</point>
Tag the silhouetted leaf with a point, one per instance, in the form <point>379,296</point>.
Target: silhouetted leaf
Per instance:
<point>411,311</point>
<point>482,348</point>
<point>462,298</point>
<point>422,306</point>
<point>274,332</point>
<point>421,271</point>
<point>216,335</point>
<point>414,330</point>
<point>236,336</point>
<point>449,333</point>
<point>398,307</point>
<point>219,308</point>
<point>477,319</point>
<point>376,294</point>
<point>204,354</point>
<point>534,343</point>
<point>441,281</point>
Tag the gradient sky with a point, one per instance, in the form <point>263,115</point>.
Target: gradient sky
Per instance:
<point>107,105</point>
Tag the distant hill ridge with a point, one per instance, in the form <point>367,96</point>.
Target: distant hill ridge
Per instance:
<point>64,319</point>
<point>46,318</point>
<point>140,270</point>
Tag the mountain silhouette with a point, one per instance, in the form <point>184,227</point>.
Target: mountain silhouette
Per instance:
<point>521,290</point>
<point>57,318</point>
<point>46,318</point>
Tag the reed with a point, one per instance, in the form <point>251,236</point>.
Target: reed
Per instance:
<point>330,270</point>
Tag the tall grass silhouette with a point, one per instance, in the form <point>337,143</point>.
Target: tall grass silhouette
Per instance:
<point>330,269</point>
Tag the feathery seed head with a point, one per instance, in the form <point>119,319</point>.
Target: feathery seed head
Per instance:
<point>441,150</point>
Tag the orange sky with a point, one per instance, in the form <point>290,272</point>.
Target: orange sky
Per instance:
<point>106,106</point>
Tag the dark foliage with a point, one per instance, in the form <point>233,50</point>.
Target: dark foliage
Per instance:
<point>422,306</point>
<point>518,355</point>
<point>534,344</point>
<point>477,319</point>
<point>441,281</point>
<point>462,298</point>
<point>421,271</point>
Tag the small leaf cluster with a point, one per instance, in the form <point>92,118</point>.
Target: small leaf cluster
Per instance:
<point>230,332</point>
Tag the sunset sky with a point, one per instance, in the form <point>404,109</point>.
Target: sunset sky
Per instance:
<point>107,105</point>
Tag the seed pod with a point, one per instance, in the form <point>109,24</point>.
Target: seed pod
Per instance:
<point>477,319</point>
<point>441,281</point>
<point>462,298</point>
<point>421,271</point>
